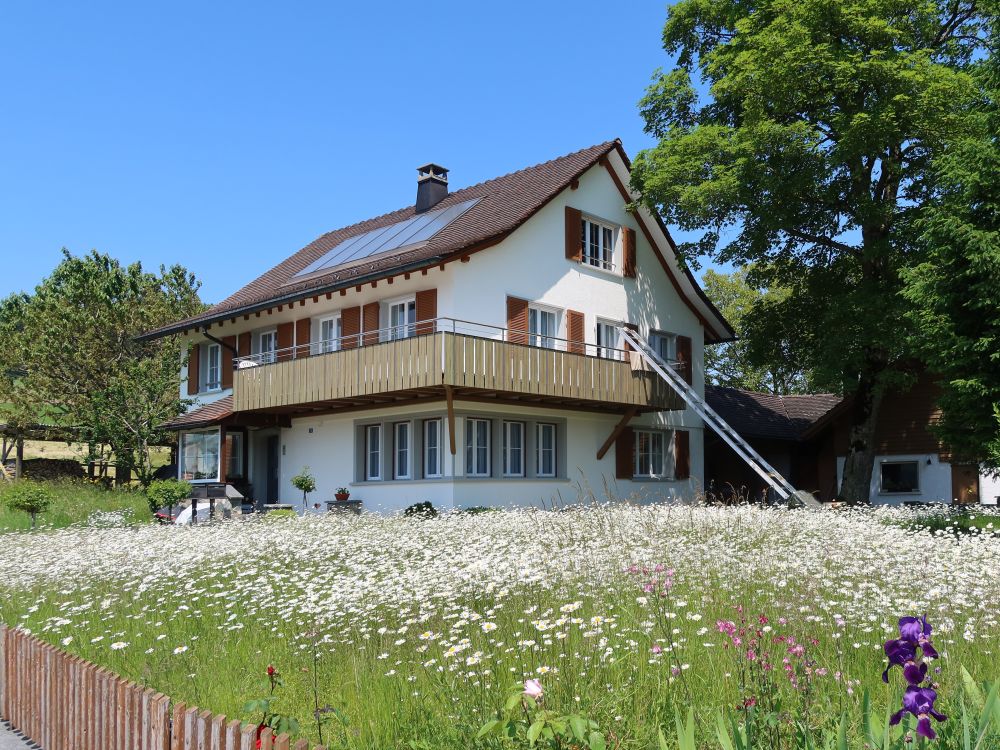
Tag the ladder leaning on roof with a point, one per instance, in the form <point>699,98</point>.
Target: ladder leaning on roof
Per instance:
<point>781,486</point>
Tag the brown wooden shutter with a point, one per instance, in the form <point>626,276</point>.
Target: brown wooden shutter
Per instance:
<point>684,358</point>
<point>517,320</point>
<point>370,323</point>
<point>628,251</point>
<point>228,352</point>
<point>625,454</point>
<point>427,310</point>
<point>575,335</point>
<point>303,330</point>
<point>632,327</point>
<point>574,238</point>
<point>194,354</point>
<point>682,454</point>
<point>350,321</point>
<point>244,345</point>
<point>286,334</point>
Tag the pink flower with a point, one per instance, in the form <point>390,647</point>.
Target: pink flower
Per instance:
<point>657,649</point>
<point>533,689</point>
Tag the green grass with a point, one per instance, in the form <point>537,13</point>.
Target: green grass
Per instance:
<point>954,522</point>
<point>75,502</point>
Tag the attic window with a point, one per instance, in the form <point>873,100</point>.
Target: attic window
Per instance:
<point>597,244</point>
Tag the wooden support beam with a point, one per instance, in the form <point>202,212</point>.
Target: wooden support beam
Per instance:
<point>19,458</point>
<point>449,395</point>
<point>626,418</point>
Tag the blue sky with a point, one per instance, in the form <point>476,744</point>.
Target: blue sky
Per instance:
<point>226,136</point>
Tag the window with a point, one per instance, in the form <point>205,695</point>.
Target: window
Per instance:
<point>331,330</point>
<point>899,476</point>
<point>373,452</point>
<point>267,345</point>
<point>402,317</point>
<point>432,448</point>
<point>513,449</point>
<point>546,448</point>
<point>607,340</point>
<point>234,454</point>
<point>650,453</point>
<point>477,447</point>
<point>213,369</point>
<point>200,456</point>
<point>542,326</point>
<point>664,344</point>
<point>597,244</point>
<point>401,468</point>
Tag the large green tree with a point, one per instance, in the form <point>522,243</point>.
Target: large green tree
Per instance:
<point>752,362</point>
<point>955,292</point>
<point>807,150</point>
<point>70,352</point>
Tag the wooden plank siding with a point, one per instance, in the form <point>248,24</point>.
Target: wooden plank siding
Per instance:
<point>468,363</point>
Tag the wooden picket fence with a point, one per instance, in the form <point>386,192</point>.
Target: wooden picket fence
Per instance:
<point>61,702</point>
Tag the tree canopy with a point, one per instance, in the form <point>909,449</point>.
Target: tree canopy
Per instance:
<point>70,352</point>
<point>807,151</point>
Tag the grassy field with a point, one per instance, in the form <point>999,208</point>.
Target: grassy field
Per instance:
<point>414,632</point>
<point>78,503</point>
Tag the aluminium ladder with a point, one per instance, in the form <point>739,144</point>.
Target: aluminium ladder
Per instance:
<point>781,486</point>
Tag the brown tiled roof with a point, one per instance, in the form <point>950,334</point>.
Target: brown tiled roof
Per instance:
<point>765,415</point>
<point>505,203</point>
<point>203,416</point>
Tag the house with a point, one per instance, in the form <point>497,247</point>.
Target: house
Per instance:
<point>462,351</point>
<point>806,439</point>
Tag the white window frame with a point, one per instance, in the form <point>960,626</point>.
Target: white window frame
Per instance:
<point>327,345</point>
<point>536,337</point>
<point>606,253</point>
<point>509,426</point>
<point>373,429</point>
<point>182,452</point>
<point>269,355</point>
<point>540,428</point>
<point>401,461</point>
<point>603,350</point>
<point>435,469</point>
<point>655,342</point>
<point>646,472</point>
<point>407,329</point>
<point>881,481</point>
<point>472,467</point>
<point>213,383</point>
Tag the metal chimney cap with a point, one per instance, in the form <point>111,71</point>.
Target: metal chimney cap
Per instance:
<point>432,170</point>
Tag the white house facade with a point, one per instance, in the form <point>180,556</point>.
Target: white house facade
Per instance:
<point>464,352</point>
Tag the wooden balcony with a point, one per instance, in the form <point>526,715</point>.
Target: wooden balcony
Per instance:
<point>453,364</point>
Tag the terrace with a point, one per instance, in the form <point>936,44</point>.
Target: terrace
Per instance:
<point>451,359</point>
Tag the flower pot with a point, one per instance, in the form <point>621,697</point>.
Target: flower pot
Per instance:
<point>342,496</point>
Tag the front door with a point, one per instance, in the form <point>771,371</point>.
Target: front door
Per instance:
<point>273,468</point>
<point>964,484</point>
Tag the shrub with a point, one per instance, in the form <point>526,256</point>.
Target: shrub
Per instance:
<point>165,493</point>
<point>421,510</point>
<point>305,482</point>
<point>28,497</point>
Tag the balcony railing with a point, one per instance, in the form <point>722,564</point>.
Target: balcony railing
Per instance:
<point>472,358</point>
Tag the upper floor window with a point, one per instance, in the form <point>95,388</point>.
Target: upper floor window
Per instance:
<point>213,369</point>
<point>597,244</point>
<point>267,345</point>
<point>402,319</point>
<point>477,447</point>
<point>543,326</point>
<point>607,340</point>
<point>331,330</point>
<point>664,344</point>
<point>651,458</point>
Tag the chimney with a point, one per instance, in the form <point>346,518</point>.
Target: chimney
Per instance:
<point>432,186</point>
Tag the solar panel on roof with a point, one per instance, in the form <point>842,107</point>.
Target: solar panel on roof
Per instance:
<point>419,229</point>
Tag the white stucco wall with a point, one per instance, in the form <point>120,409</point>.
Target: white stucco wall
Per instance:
<point>934,479</point>
<point>989,489</point>
<point>326,445</point>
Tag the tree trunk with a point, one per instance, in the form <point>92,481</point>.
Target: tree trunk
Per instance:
<point>855,487</point>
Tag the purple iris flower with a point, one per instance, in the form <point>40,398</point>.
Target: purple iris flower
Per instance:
<point>901,653</point>
<point>919,701</point>
<point>914,633</point>
<point>918,631</point>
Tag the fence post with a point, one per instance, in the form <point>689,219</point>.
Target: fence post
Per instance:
<point>3,671</point>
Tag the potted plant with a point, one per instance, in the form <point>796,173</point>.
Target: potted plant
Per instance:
<point>342,494</point>
<point>305,482</point>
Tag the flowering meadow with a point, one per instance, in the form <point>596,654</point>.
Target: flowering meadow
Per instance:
<point>413,633</point>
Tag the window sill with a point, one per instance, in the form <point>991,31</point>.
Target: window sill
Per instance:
<point>900,492</point>
<point>657,479</point>
<point>604,271</point>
